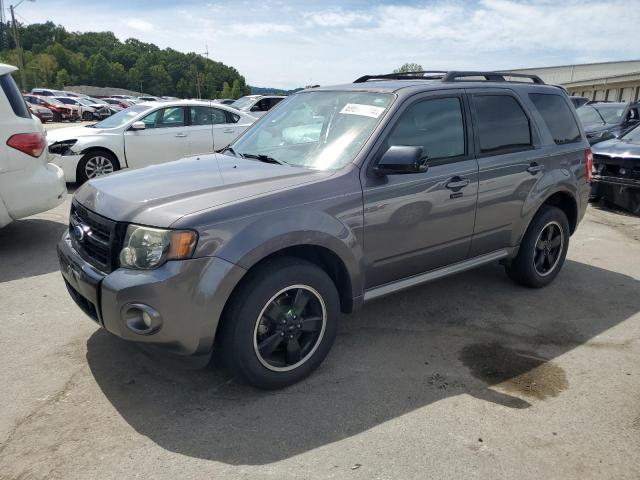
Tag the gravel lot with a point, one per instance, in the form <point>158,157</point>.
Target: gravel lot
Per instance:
<point>469,377</point>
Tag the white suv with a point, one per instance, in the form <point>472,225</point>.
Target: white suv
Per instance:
<point>28,184</point>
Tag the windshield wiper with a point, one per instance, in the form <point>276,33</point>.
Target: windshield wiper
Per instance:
<point>263,158</point>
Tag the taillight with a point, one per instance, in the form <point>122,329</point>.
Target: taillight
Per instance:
<point>30,143</point>
<point>588,164</point>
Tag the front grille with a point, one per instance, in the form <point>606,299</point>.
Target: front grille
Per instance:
<point>96,238</point>
<point>617,166</point>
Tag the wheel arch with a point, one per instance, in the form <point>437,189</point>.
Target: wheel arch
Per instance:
<point>88,150</point>
<point>565,201</point>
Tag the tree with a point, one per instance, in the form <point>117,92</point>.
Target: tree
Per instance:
<point>226,90</point>
<point>62,79</point>
<point>236,92</point>
<point>99,70</point>
<point>55,58</point>
<point>409,67</point>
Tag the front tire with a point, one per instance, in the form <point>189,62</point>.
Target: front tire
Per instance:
<point>87,116</point>
<point>543,249</point>
<point>280,323</point>
<point>96,164</point>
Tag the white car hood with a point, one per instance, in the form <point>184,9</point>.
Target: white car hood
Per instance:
<point>69,133</point>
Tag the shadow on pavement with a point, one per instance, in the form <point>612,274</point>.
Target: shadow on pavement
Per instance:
<point>475,333</point>
<point>28,248</point>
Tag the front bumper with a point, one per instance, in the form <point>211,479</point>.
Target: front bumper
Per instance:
<point>68,164</point>
<point>188,295</point>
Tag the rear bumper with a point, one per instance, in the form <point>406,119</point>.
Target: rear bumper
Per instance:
<point>27,192</point>
<point>188,297</point>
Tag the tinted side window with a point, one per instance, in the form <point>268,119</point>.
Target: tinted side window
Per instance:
<point>171,117</point>
<point>435,125</point>
<point>275,101</point>
<point>502,124</point>
<point>207,116</point>
<point>556,114</point>
<point>232,117</point>
<point>12,92</point>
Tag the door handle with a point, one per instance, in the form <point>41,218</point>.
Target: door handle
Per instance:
<point>181,135</point>
<point>535,168</point>
<point>457,183</point>
<point>229,130</point>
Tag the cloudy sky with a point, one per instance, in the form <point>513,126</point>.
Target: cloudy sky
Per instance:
<point>293,43</point>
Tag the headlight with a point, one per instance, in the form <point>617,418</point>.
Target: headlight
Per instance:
<point>62,148</point>
<point>146,248</point>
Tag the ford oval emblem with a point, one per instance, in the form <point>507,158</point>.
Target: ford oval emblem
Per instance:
<point>79,232</point>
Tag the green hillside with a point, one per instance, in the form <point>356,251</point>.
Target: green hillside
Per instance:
<point>54,57</point>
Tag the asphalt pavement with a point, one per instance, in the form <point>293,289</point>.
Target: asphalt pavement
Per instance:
<point>470,377</point>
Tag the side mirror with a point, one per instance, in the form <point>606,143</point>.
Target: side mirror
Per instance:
<point>401,159</point>
<point>138,126</point>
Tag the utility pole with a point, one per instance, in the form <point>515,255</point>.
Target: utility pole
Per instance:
<point>3,37</point>
<point>19,50</point>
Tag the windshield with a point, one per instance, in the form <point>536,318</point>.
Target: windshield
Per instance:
<point>243,102</point>
<point>84,101</point>
<point>600,114</point>
<point>319,130</point>
<point>633,136</point>
<point>122,117</point>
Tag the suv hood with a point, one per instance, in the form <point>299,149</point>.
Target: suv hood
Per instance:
<point>160,195</point>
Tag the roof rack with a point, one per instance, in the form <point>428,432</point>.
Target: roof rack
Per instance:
<point>451,76</point>
<point>421,75</point>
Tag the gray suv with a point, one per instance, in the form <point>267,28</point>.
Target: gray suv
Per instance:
<point>339,196</point>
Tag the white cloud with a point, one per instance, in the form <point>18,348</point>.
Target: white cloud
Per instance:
<point>338,18</point>
<point>260,29</point>
<point>139,24</point>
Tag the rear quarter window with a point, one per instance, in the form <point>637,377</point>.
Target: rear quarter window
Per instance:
<point>557,116</point>
<point>12,92</point>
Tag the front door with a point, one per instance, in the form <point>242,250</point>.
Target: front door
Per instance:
<point>418,222</point>
<point>164,139</point>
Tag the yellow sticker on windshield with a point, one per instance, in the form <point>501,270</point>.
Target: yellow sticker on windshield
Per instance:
<point>364,110</point>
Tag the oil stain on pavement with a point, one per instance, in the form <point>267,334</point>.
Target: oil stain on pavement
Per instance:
<point>515,371</point>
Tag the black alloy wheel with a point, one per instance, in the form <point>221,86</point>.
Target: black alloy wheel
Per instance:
<point>290,328</point>
<point>548,249</point>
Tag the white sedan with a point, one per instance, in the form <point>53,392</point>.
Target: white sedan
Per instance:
<point>145,134</point>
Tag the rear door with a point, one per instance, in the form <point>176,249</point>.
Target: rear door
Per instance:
<point>510,161</point>
<point>164,138</point>
<point>421,221</point>
<point>211,129</point>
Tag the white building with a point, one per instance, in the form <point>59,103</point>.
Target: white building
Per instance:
<point>613,81</point>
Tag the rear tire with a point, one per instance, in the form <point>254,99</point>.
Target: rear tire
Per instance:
<point>543,249</point>
<point>280,324</point>
<point>96,164</point>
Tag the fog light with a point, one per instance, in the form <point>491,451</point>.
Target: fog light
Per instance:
<point>141,319</point>
<point>146,318</point>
